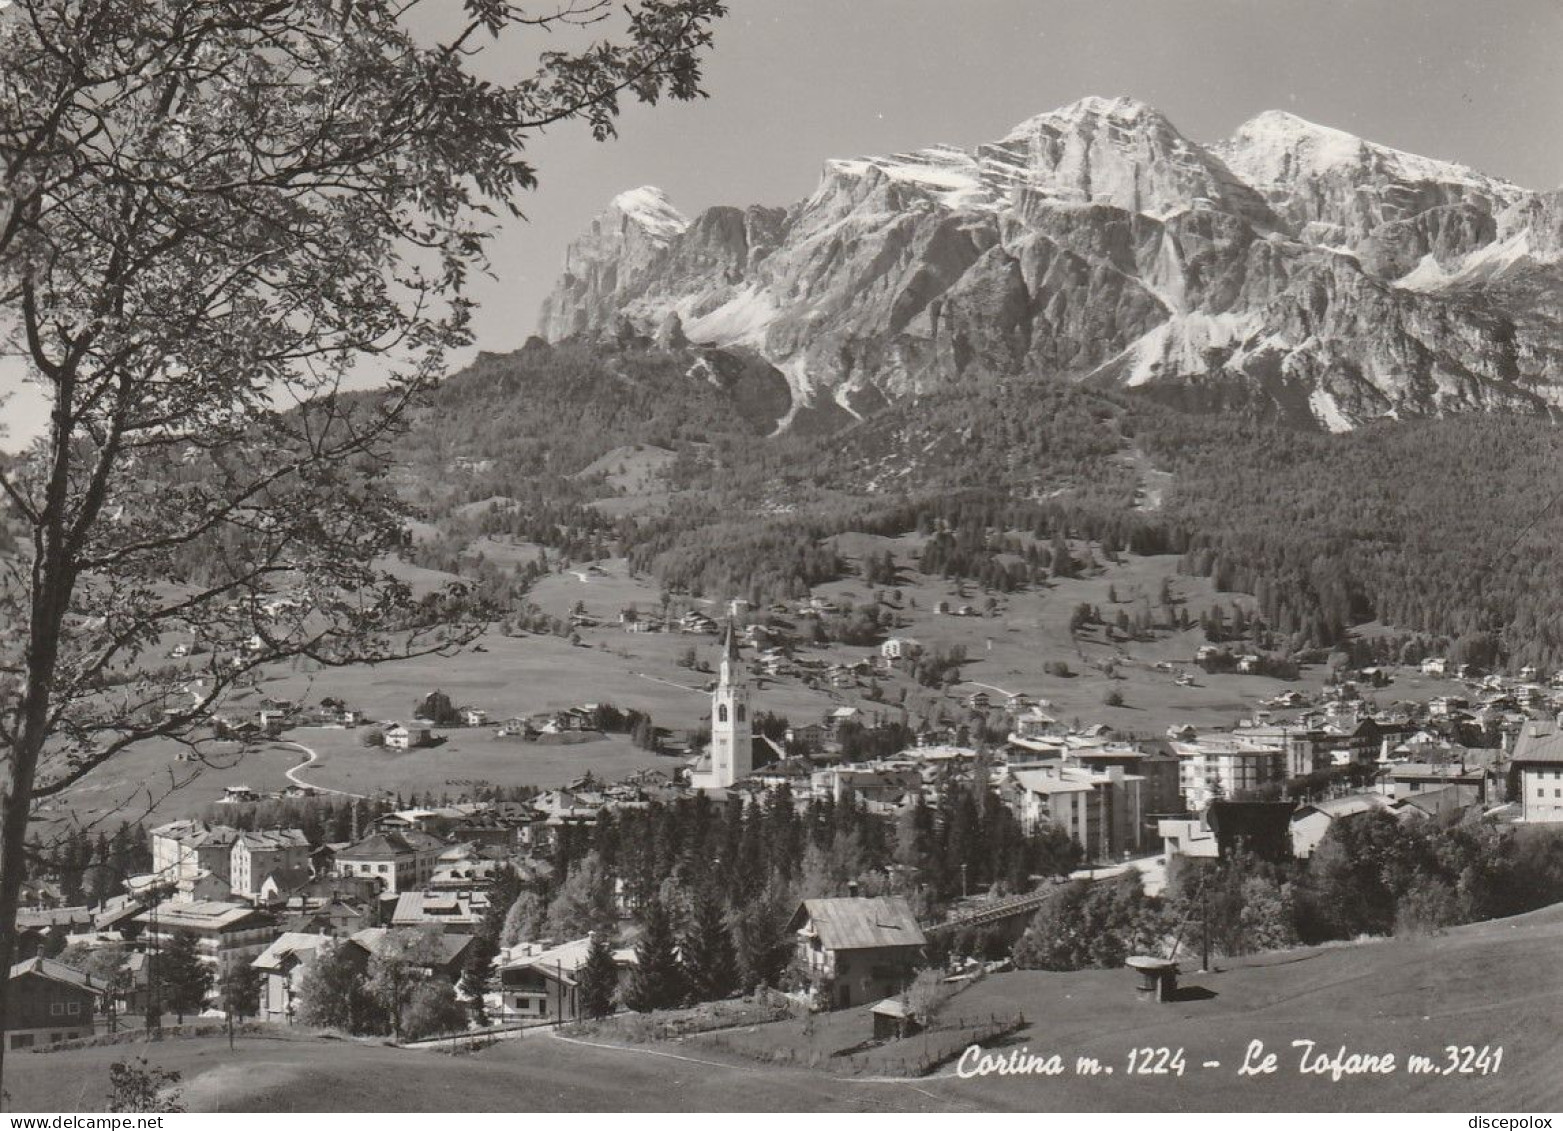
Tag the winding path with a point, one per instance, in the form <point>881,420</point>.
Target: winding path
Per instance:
<point>310,757</point>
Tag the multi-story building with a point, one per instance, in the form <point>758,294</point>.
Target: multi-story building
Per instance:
<point>1101,807</point>
<point>182,850</point>
<point>283,853</point>
<point>227,934</point>
<point>1213,766</point>
<point>1538,768</point>
<point>401,861</point>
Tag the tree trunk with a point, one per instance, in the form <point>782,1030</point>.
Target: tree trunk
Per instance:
<point>52,584</point>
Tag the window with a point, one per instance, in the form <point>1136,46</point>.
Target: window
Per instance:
<point>21,1040</point>
<point>56,1008</point>
<point>383,869</point>
<point>741,712</point>
<point>721,713</point>
<point>73,1008</point>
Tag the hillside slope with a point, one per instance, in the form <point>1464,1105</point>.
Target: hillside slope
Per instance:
<point>1492,984</point>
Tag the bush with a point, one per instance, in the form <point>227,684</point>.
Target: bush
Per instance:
<point>432,1010</point>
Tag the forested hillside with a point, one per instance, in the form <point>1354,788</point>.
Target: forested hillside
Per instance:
<point>1437,527</point>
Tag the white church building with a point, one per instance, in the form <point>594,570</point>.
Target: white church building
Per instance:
<point>730,757</point>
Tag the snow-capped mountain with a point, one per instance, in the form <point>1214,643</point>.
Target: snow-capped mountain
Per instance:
<point>1291,265</point>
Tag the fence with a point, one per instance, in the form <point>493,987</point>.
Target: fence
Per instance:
<point>917,1055</point>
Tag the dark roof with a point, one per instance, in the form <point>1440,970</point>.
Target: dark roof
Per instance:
<point>857,923</point>
<point>377,846</point>
<point>55,972</point>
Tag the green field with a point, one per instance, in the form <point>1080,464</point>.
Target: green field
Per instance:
<point>1493,984</point>
<point>512,676</point>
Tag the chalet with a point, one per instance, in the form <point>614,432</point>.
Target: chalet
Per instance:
<point>282,966</point>
<point>474,717</point>
<point>1247,664</point>
<point>857,950</point>
<point>1310,823</point>
<point>48,1002</point>
<point>447,953</point>
<point>900,648</point>
<point>202,886</point>
<point>537,983</point>
<point>399,736</point>
<point>870,782</point>
<point>697,622</point>
<point>335,917</point>
<point>1406,779</point>
<point>238,795</point>
<point>1260,827</point>
<point>452,912</point>
<point>1435,665</point>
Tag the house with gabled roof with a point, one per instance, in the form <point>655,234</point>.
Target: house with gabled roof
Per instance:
<point>48,1002</point>
<point>857,950</point>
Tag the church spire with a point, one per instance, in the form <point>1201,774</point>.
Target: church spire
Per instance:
<point>730,645</point>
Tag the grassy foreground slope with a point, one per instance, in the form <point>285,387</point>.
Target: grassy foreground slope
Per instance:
<point>1487,984</point>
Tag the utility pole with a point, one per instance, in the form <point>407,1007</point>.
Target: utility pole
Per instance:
<point>1204,929</point>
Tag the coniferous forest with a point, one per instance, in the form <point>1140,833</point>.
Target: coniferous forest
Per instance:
<point>1436,527</point>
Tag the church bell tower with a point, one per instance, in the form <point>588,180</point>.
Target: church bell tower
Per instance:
<point>732,741</point>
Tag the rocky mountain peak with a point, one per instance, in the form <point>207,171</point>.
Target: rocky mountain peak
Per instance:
<point>649,208</point>
<point>1293,265</point>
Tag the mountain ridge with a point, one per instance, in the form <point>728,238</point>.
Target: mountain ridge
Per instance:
<point>1327,278</point>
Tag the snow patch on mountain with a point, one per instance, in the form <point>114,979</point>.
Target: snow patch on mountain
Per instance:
<point>1326,409</point>
<point>741,320</point>
<point>649,207</point>
<point>1276,149</point>
<point>1183,344</point>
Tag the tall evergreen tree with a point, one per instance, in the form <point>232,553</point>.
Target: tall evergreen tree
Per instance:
<point>658,980</point>
<point>709,957</point>
<point>598,979</point>
<point>186,980</point>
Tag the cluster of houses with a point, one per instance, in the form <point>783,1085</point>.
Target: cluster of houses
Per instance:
<point>269,899</point>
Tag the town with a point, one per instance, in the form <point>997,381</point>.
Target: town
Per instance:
<point>500,909</point>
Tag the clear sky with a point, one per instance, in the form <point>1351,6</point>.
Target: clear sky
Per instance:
<point>793,82</point>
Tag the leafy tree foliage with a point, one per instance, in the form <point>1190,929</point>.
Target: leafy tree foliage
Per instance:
<point>211,212</point>
<point>137,1086</point>
<point>432,1009</point>
<point>335,995</point>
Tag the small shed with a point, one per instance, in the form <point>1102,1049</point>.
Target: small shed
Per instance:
<point>894,1020</point>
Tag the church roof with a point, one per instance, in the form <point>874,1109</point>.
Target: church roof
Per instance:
<point>730,644</point>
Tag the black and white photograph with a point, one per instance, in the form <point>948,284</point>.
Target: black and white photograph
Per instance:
<point>781,556</point>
